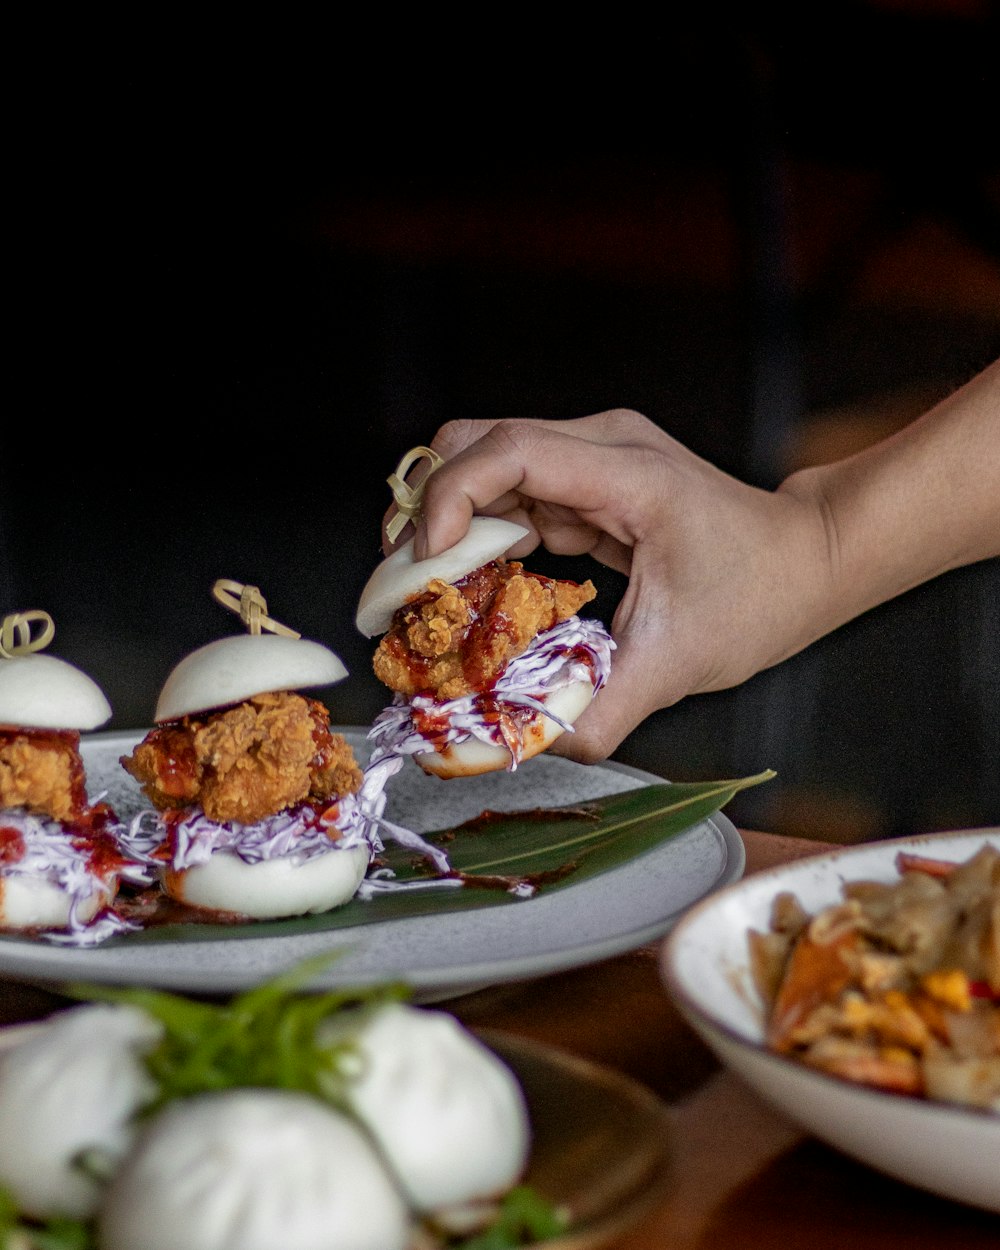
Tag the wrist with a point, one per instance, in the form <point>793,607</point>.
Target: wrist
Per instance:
<point>809,577</point>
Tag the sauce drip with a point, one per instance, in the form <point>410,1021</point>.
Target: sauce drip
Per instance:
<point>11,845</point>
<point>92,835</point>
<point>486,819</point>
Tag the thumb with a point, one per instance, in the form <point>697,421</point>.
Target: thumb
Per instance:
<point>632,692</point>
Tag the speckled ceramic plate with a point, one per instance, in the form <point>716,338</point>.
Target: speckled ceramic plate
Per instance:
<point>440,954</point>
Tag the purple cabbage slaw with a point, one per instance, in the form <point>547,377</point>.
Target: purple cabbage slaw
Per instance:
<point>301,833</point>
<point>53,853</point>
<point>551,662</point>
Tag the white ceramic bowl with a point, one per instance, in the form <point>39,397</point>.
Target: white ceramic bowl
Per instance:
<point>946,1149</point>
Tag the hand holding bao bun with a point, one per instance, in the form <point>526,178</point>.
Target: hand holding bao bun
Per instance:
<point>489,663</point>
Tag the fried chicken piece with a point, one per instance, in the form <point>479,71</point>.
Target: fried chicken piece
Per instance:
<point>421,652</point>
<point>247,762</point>
<point>456,639</point>
<point>41,771</point>
<point>441,621</point>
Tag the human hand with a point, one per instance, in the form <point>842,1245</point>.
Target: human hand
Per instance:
<point>715,567</point>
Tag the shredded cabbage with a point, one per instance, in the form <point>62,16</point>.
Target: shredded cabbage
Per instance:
<point>301,833</point>
<point>61,856</point>
<point>574,650</point>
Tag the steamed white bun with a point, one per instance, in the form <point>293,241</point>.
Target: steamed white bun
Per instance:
<point>72,1085</point>
<point>43,692</point>
<point>34,903</point>
<point>399,577</point>
<point>272,888</point>
<point>448,1115</point>
<point>252,1169</point>
<point>231,670</point>
<point>473,756</point>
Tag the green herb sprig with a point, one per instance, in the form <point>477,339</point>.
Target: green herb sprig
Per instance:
<point>265,1037</point>
<point>59,1233</point>
<point>524,1218</point>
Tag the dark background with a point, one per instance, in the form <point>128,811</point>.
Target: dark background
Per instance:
<point>250,268</point>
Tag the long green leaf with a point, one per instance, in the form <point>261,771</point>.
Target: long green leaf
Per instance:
<point>550,849</point>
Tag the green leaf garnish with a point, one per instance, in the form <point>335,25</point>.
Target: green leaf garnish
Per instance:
<point>524,1219</point>
<point>551,849</point>
<point>268,1036</point>
<point>57,1233</point>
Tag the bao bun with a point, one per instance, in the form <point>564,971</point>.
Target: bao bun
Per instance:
<point>271,889</point>
<point>219,675</point>
<point>42,692</point>
<point>70,1085</point>
<point>472,756</point>
<point>34,903</point>
<point>252,1169</point>
<point>448,1115</point>
<point>399,577</point>
<point>234,669</point>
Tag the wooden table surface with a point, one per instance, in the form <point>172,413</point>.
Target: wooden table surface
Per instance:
<point>742,1177</point>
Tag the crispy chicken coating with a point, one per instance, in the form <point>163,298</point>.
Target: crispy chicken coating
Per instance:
<point>247,762</point>
<point>457,639</point>
<point>41,771</point>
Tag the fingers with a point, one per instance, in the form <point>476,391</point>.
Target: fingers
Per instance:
<point>615,426</point>
<point>499,468</point>
<point>593,738</point>
<point>531,461</point>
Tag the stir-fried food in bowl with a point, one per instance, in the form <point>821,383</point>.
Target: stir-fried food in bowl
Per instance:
<point>897,985</point>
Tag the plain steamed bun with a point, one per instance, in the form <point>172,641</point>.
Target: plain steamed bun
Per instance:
<point>399,577</point>
<point>231,670</point>
<point>473,756</point>
<point>447,1114</point>
<point>252,1169</point>
<point>273,888</point>
<point>70,1087</point>
<point>28,902</point>
<point>43,692</point>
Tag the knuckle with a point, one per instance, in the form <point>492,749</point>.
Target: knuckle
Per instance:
<point>455,436</point>
<point>515,437</point>
<point>625,423</point>
<point>511,438</point>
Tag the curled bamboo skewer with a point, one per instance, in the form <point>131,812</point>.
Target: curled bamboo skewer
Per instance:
<point>409,498</point>
<point>251,607</point>
<point>16,633</point>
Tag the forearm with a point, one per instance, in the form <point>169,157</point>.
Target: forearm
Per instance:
<point>916,505</point>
